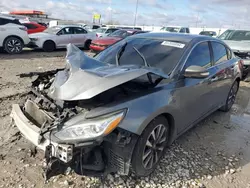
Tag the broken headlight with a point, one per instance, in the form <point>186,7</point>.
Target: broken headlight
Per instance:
<point>91,128</point>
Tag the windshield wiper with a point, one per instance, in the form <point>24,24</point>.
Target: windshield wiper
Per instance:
<point>119,53</point>
<point>145,64</point>
<point>142,56</point>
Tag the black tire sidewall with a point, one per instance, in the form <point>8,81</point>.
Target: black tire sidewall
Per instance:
<point>49,46</point>
<point>87,44</point>
<point>137,165</point>
<point>6,48</point>
<point>227,108</point>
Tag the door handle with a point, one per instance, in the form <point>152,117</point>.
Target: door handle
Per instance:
<point>212,79</point>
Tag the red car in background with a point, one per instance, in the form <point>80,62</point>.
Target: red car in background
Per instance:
<point>34,27</point>
<point>102,43</point>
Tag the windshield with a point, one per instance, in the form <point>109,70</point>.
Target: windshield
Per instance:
<point>171,29</point>
<point>235,35</point>
<point>52,30</point>
<point>101,30</point>
<point>120,33</point>
<point>157,52</point>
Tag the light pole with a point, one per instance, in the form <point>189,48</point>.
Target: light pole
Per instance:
<point>136,12</point>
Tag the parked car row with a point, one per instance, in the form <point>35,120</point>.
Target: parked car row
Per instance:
<point>100,44</point>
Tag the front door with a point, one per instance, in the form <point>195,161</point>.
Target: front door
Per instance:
<point>64,37</point>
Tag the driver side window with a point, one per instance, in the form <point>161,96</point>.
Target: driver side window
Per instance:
<point>199,56</point>
<point>66,31</point>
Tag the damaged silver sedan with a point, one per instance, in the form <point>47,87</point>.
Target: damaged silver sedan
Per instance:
<point>122,108</point>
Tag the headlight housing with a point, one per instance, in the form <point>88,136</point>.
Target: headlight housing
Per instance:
<point>90,129</point>
<point>33,39</point>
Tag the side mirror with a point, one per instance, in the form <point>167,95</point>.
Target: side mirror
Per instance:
<point>195,71</point>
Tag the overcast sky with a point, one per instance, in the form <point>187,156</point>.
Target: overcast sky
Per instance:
<point>212,13</point>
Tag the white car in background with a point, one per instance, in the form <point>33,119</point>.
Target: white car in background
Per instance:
<point>13,35</point>
<point>103,32</point>
<point>59,36</point>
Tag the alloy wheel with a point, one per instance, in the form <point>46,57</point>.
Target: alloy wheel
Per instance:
<point>14,45</point>
<point>154,146</point>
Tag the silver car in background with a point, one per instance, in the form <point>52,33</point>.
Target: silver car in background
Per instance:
<point>103,32</point>
<point>239,42</point>
<point>61,35</point>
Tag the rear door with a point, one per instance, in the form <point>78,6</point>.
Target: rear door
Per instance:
<point>64,37</point>
<point>224,72</point>
<point>195,94</point>
<point>79,36</point>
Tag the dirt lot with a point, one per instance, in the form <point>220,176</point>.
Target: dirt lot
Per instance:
<point>215,153</point>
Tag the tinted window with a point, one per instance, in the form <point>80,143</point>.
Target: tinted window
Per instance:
<point>156,52</point>
<point>96,26</point>
<point>66,31</point>
<point>30,26</point>
<point>4,21</point>
<point>199,56</point>
<point>78,30</point>
<point>187,29</point>
<point>220,52</point>
<point>183,30</point>
<point>121,33</point>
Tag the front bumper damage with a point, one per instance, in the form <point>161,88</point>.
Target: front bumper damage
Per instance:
<point>97,158</point>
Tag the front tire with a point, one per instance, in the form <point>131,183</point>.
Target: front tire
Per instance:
<point>49,46</point>
<point>231,97</point>
<point>150,147</point>
<point>87,44</point>
<point>13,45</point>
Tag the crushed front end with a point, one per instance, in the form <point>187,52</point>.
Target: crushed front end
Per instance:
<point>47,123</point>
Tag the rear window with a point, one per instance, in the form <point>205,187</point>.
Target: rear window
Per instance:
<point>158,53</point>
<point>121,34</point>
<point>4,21</point>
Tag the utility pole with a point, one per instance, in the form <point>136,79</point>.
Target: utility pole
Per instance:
<point>197,20</point>
<point>136,12</point>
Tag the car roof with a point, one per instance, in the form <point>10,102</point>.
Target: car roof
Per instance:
<point>62,26</point>
<point>7,17</point>
<point>173,36</point>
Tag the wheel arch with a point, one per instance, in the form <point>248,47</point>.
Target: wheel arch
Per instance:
<point>238,81</point>
<point>12,36</point>
<point>171,122</point>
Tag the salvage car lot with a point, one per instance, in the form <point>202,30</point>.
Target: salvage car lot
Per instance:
<point>215,153</point>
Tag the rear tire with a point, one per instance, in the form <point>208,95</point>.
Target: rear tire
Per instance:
<point>87,44</point>
<point>150,147</point>
<point>13,45</point>
<point>49,46</point>
<point>231,97</point>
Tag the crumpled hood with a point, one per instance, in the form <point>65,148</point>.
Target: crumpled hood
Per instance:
<point>85,77</point>
<point>40,35</point>
<point>106,40</point>
<point>242,46</point>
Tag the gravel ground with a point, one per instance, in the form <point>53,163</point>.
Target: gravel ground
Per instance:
<point>215,153</point>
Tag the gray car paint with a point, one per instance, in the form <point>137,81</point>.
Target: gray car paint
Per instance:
<point>95,77</point>
<point>184,100</point>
